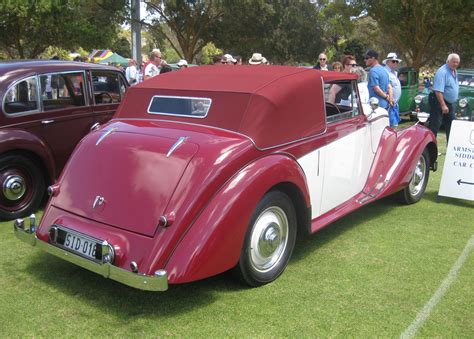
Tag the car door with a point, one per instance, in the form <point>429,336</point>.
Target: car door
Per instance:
<point>344,161</point>
<point>67,114</point>
<point>108,89</point>
<point>54,108</point>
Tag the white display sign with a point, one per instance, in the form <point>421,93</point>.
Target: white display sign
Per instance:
<point>457,180</point>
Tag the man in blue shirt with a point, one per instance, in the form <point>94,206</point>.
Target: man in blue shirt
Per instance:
<point>446,89</point>
<point>379,86</point>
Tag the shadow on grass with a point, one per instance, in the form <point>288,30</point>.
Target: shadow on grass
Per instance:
<point>125,302</point>
<point>433,197</point>
<point>307,244</point>
<point>122,301</point>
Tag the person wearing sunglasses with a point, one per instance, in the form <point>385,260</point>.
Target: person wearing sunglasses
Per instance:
<point>323,63</point>
<point>340,92</point>
<point>379,84</point>
<point>391,65</point>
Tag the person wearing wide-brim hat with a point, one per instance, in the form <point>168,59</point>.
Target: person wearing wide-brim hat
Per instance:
<point>391,66</point>
<point>257,59</point>
<point>392,57</point>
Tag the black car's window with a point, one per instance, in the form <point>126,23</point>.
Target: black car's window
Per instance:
<point>466,79</point>
<point>180,106</point>
<point>108,87</point>
<point>408,78</point>
<point>341,100</point>
<point>62,90</point>
<point>21,97</point>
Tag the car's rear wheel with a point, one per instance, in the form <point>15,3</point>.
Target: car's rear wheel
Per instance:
<point>417,185</point>
<point>269,240</point>
<point>22,186</point>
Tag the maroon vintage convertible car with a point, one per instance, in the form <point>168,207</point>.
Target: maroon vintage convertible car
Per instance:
<point>46,108</point>
<point>217,168</point>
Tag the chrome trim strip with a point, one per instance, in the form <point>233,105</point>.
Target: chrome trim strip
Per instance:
<point>105,135</point>
<point>158,282</point>
<point>178,143</point>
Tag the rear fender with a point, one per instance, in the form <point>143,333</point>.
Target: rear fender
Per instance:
<point>12,140</point>
<point>214,241</point>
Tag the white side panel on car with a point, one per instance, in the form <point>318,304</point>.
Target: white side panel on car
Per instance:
<point>338,171</point>
<point>312,164</point>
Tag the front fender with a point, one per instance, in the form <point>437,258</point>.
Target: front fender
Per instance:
<point>397,156</point>
<point>15,139</point>
<point>214,241</point>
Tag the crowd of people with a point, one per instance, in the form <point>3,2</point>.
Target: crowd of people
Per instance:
<point>381,81</point>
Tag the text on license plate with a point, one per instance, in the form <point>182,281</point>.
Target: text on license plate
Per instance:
<point>80,245</point>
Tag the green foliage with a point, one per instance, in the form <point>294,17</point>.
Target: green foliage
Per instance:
<point>208,51</point>
<point>28,27</point>
<point>122,47</point>
<point>55,51</point>
<point>283,31</point>
<point>423,32</point>
<point>183,24</point>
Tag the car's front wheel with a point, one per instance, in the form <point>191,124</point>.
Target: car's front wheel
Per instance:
<point>417,185</point>
<point>22,186</point>
<point>269,240</point>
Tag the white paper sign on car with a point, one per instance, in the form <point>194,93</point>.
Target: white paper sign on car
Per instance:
<point>457,180</point>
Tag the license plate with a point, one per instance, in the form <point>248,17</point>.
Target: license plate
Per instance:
<point>80,245</point>
<point>76,242</point>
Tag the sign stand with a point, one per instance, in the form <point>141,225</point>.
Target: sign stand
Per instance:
<point>457,180</point>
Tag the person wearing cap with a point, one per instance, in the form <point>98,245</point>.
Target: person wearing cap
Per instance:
<point>257,59</point>
<point>446,91</point>
<point>228,59</point>
<point>379,85</point>
<point>391,65</point>
<point>182,64</point>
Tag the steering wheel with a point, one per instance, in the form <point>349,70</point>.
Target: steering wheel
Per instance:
<point>333,108</point>
<point>106,95</point>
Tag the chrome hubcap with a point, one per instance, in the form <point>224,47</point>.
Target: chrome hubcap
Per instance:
<point>14,187</point>
<point>269,239</point>
<point>416,182</point>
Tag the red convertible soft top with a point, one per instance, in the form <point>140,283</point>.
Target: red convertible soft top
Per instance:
<point>270,104</point>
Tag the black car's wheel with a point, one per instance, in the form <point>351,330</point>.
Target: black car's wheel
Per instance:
<point>269,240</point>
<point>415,189</point>
<point>22,186</point>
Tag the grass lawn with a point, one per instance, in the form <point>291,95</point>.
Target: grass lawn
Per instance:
<point>366,275</point>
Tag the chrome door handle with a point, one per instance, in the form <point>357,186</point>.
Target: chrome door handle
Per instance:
<point>46,122</point>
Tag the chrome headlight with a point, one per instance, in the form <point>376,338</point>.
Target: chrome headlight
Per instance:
<point>418,99</point>
<point>463,103</point>
<point>374,103</point>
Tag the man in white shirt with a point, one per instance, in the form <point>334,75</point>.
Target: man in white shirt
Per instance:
<point>152,69</point>
<point>131,72</point>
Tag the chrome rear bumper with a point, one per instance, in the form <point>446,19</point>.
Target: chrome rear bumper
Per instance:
<point>157,282</point>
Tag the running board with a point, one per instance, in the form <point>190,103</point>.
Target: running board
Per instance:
<point>374,191</point>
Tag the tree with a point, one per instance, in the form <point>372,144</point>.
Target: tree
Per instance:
<point>422,31</point>
<point>184,24</point>
<point>122,47</point>
<point>337,20</point>
<point>283,31</point>
<point>28,27</point>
